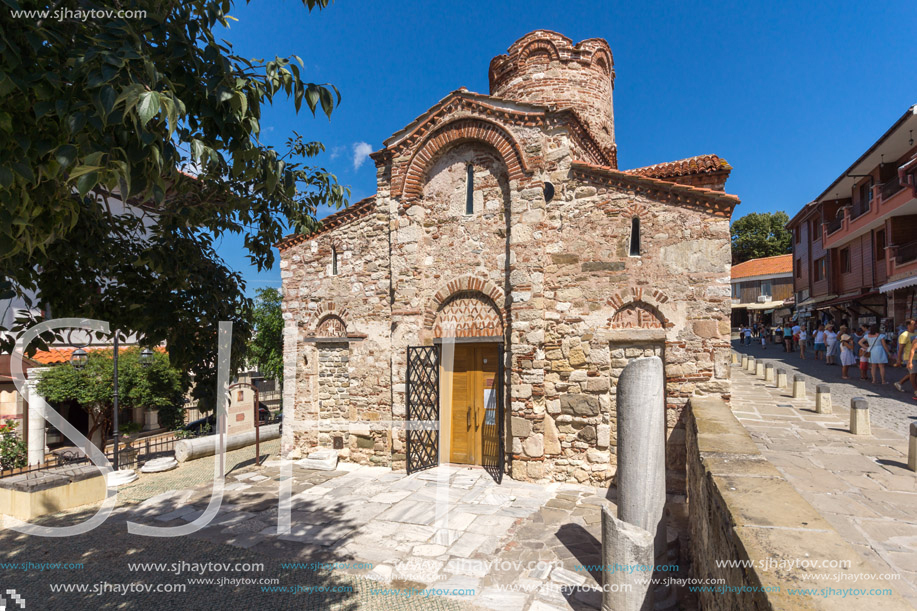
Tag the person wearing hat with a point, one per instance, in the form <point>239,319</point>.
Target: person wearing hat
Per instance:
<point>848,358</point>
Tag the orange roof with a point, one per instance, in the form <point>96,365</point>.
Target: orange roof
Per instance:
<point>765,266</point>
<point>55,356</point>
<point>700,164</point>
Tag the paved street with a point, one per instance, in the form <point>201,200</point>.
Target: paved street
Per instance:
<point>860,484</point>
<point>888,408</point>
<point>511,546</point>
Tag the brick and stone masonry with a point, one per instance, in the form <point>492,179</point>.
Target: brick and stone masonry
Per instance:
<point>553,275</point>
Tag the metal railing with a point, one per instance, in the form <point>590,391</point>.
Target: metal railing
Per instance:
<point>890,187</point>
<point>834,225</point>
<point>906,253</point>
<point>859,209</point>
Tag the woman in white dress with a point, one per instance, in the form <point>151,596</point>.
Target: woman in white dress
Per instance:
<point>877,347</point>
<point>848,357</point>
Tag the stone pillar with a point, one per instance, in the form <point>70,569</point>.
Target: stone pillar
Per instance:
<point>781,378</point>
<point>912,448</point>
<point>769,373</point>
<point>751,364</point>
<point>759,370</point>
<point>744,361</point>
<point>150,419</point>
<point>859,416</point>
<point>630,546</point>
<point>799,387</point>
<point>823,399</point>
<point>37,424</point>
<point>641,447</point>
<point>735,357</point>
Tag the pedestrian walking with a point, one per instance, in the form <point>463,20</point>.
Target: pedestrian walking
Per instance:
<point>820,348</point>
<point>848,356</point>
<point>787,338</point>
<point>905,345</point>
<point>802,342</point>
<point>877,347</point>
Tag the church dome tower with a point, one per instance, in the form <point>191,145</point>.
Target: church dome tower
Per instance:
<point>546,68</point>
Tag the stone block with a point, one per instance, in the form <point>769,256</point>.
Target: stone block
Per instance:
<point>799,387</point>
<point>520,427</point>
<point>630,546</point>
<point>912,448</point>
<point>859,416</point>
<point>579,405</point>
<point>823,399</point>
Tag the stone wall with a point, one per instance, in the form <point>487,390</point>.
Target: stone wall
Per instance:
<point>355,305</point>
<point>741,508</point>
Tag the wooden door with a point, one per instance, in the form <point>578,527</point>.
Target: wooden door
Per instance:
<point>473,387</point>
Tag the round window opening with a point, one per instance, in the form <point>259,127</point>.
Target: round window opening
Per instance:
<point>548,191</point>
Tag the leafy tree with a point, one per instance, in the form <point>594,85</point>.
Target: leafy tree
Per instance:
<point>93,111</point>
<point>265,350</point>
<point>157,386</point>
<point>13,452</point>
<point>760,234</point>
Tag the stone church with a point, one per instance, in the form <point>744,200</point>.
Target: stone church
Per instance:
<point>479,308</point>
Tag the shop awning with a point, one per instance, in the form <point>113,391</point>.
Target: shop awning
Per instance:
<point>740,306</point>
<point>849,297</point>
<point>903,283</point>
<point>813,300</point>
<point>768,305</point>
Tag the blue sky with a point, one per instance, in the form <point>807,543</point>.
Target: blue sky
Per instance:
<point>789,93</point>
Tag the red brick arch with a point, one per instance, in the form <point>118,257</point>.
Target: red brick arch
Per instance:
<point>538,46</point>
<point>463,284</point>
<point>651,301</point>
<point>456,132</point>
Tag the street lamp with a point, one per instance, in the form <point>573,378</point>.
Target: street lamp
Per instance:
<point>78,359</point>
<point>146,357</point>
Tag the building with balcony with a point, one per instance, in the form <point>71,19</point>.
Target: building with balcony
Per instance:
<point>761,289</point>
<point>855,245</point>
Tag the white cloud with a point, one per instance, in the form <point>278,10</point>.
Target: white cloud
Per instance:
<point>337,151</point>
<point>361,151</point>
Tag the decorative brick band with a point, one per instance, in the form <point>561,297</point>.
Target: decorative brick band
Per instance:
<point>457,131</point>
<point>638,298</point>
<point>459,285</point>
<point>326,311</point>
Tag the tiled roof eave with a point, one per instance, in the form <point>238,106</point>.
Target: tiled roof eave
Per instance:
<point>341,217</point>
<point>719,202</point>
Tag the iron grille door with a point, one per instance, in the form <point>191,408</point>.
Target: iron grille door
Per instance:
<point>422,408</point>
<point>493,453</point>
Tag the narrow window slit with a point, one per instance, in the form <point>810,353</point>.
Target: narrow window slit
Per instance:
<point>635,237</point>
<point>469,189</point>
<point>334,261</point>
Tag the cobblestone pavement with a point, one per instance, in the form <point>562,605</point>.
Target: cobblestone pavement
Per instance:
<point>515,545</point>
<point>888,407</point>
<point>859,483</point>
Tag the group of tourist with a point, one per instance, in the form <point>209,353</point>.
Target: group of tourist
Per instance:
<point>864,347</point>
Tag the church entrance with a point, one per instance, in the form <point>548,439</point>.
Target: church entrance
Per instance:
<point>473,421</point>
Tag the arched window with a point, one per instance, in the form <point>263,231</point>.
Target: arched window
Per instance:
<point>635,237</point>
<point>469,189</point>
<point>334,261</point>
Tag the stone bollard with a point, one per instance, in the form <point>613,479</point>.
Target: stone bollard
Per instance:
<point>799,387</point>
<point>759,370</point>
<point>641,447</point>
<point>768,373</point>
<point>735,357</point>
<point>859,416</point>
<point>751,364</point>
<point>781,378</point>
<point>627,545</point>
<point>823,399</point>
<point>912,448</point>
<point>744,361</point>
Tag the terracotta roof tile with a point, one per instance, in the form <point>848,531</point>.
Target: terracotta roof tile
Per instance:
<point>700,164</point>
<point>55,356</point>
<point>765,266</point>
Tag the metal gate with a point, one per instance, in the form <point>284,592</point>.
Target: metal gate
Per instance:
<point>422,401</point>
<point>494,455</point>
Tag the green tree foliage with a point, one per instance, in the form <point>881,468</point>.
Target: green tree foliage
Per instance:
<point>157,386</point>
<point>91,108</point>
<point>760,234</point>
<point>13,452</point>
<point>265,350</point>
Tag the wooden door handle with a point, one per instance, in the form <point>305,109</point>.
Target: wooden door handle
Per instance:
<point>468,418</point>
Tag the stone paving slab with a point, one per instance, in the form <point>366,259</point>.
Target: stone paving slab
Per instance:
<point>859,483</point>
